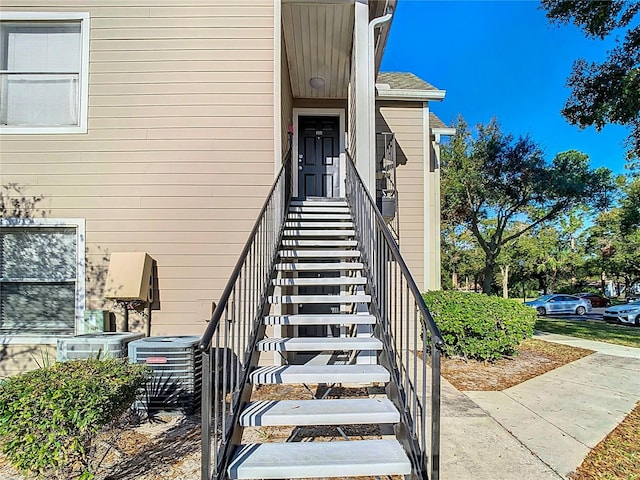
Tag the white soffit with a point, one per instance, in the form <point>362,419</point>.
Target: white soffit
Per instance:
<point>318,38</point>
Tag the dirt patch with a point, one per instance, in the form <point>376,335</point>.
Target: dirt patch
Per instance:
<point>534,358</point>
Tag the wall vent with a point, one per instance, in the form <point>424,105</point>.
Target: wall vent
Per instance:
<point>176,363</point>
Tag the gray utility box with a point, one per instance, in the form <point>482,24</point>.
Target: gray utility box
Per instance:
<point>176,362</point>
<point>95,345</point>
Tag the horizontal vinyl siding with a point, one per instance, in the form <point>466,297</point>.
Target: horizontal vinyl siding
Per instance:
<point>286,97</point>
<point>407,124</point>
<point>19,358</point>
<point>178,157</point>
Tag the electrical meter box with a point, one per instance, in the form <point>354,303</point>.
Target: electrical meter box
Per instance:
<point>129,277</point>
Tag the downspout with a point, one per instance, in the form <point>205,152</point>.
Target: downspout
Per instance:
<point>371,61</point>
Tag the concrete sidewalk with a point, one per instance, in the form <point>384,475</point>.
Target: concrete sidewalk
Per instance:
<point>543,428</point>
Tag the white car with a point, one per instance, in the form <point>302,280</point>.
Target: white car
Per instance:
<point>628,313</point>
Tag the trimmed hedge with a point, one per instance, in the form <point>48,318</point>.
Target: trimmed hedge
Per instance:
<point>49,416</point>
<point>477,326</point>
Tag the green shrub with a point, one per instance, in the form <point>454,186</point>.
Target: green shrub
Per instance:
<point>478,326</point>
<point>49,416</point>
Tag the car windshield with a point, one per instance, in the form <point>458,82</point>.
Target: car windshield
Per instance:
<point>544,298</point>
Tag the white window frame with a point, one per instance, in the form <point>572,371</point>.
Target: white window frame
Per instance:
<point>79,225</point>
<point>83,106</point>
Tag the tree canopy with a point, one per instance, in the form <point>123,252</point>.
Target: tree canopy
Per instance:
<point>607,92</point>
<point>500,187</point>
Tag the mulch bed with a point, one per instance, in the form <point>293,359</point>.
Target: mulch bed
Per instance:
<point>170,449</point>
<point>534,358</point>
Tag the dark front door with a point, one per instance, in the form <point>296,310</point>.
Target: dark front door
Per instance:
<point>318,157</point>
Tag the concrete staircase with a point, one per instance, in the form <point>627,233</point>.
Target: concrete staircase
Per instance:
<point>322,336</point>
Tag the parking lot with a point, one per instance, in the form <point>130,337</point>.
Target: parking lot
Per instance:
<point>596,314</point>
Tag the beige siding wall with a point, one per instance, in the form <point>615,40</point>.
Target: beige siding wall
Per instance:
<point>179,153</point>
<point>406,121</point>
<point>20,358</point>
<point>286,97</point>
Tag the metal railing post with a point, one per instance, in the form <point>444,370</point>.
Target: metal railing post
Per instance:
<point>205,410</point>
<point>435,411</point>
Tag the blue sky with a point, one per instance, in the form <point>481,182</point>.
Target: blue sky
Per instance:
<point>503,59</point>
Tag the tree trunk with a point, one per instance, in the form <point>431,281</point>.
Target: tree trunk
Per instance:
<point>487,275</point>
<point>504,269</point>
<point>454,280</point>
<point>542,285</point>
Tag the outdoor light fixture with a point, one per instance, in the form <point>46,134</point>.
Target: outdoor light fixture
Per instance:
<point>316,82</point>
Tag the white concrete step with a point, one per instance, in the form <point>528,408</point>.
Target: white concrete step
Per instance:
<point>314,459</point>
<point>319,344</point>
<point>325,281</point>
<point>359,411</point>
<point>278,299</point>
<point>328,210</point>
<point>318,224</point>
<point>319,206</point>
<point>319,253</point>
<point>324,202</point>
<point>319,243</point>
<point>321,319</point>
<point>355,374</point>
<point>319,233</point>
<point>318,216</point>
<point>318,267</point>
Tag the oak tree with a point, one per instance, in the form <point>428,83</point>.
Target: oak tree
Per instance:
<point>607,92</point>
<point>493,180</point>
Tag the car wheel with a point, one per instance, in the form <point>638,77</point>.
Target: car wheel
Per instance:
<point>581,310</point>
<point>638,321</point>
<point>541,311</point>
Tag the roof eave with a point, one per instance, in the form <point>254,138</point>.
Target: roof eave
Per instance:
<point>409,95</point>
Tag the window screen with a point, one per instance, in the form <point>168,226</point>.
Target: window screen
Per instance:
<point>38,280</point>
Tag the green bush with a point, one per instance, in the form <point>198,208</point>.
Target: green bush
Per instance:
<point>49,416</point>
<point>478,326</point>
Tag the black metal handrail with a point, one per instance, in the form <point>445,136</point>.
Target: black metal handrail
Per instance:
<point>403,318</point>
<point>228,343</point>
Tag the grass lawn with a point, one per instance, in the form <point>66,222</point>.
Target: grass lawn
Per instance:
<point>619,334</point>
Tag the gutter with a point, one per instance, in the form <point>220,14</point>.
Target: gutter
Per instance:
<point>371,94</point>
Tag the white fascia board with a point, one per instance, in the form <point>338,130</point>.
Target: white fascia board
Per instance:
<point>384,92</point>
<point>448,131</point>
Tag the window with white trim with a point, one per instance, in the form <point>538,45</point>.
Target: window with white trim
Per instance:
<point>43,72</point>
<point>41,277</point>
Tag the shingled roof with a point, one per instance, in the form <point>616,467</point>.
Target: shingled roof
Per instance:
<point>403,81</point>
<point>435,122</point>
